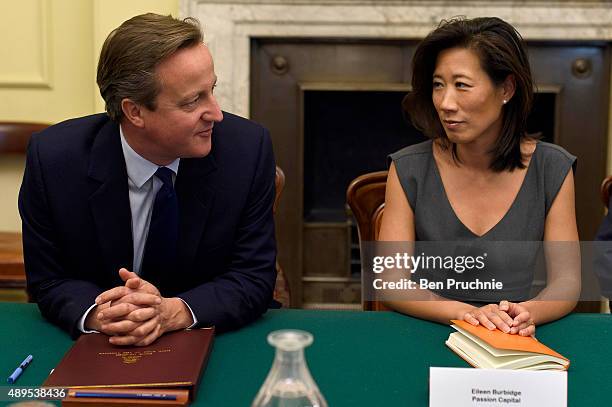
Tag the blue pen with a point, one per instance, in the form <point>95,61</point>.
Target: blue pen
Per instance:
<point>149,396</point>
<point>13,378</point>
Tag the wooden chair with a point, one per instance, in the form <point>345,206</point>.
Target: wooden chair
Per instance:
<point>14,138</point>
<point>365,196</point>
<point>606,185</point>
<point>282,293</point>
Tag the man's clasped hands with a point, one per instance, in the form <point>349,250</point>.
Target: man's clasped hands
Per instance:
<point>136,313</point>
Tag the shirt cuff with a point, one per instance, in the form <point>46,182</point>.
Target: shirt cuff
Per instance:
<point>82,322</point>
<point>195,320</point>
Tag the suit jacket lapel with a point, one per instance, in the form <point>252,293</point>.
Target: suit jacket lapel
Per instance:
<point>109,198</point>
<point>195,194</point>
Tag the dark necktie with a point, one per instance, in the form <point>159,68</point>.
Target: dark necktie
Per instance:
<point>160,254</point>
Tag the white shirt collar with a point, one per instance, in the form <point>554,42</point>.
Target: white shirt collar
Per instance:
<point>139,169</point>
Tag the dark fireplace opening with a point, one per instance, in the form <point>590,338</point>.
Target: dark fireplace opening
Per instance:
<point>542,117</point>
<point>346,134</point>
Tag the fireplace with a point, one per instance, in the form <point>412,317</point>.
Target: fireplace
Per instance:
<point>326,78</point>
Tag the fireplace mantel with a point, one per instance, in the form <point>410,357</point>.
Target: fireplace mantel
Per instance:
<point>230,24</point>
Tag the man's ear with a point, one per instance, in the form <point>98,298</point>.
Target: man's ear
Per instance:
<point>508,87</point>
<point>132,112</point>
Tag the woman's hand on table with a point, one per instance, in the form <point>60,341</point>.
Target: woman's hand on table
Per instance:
<point>523,323</point>
<point>491,316</point>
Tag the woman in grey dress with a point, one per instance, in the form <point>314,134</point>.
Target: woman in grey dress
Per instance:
<point>480,177</point>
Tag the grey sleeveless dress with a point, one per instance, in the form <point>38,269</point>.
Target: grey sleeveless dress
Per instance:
<point>435,219</point>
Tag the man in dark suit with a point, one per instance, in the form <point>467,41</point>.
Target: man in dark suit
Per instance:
<point>145,219</point>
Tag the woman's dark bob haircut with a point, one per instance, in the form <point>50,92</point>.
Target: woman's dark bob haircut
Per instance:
<point>502,53</point>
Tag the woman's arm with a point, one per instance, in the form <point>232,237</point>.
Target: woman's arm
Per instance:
<point>562,253</point>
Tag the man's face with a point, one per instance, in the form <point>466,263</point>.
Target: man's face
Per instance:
<point>186,110</point>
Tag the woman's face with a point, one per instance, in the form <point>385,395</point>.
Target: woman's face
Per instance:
<point>468,103</point>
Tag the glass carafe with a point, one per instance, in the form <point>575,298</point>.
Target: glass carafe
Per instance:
<point>289,383</point>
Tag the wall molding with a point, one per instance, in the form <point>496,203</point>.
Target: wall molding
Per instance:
<point>41,77</point>
<point>230,25</point>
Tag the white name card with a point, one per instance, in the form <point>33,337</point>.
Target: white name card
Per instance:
<point>467,387</point>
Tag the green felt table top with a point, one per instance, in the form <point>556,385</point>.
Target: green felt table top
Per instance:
<point>357,358</point>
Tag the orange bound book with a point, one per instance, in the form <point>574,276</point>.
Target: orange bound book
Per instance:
<point>483,348</point>
<point>175,360</point>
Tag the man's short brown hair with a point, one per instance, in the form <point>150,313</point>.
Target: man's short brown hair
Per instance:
<point>131,53</point>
